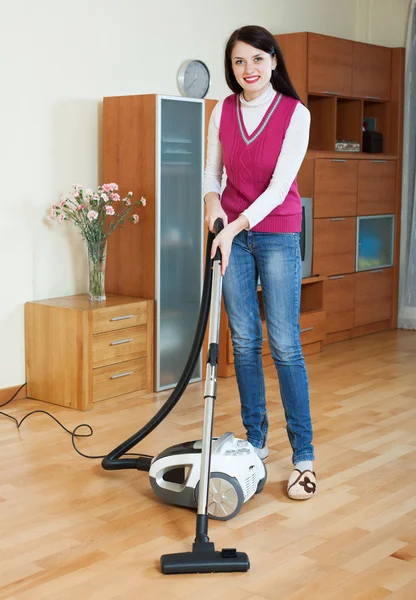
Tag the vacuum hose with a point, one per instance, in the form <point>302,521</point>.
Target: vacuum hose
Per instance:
<point>113,461</point>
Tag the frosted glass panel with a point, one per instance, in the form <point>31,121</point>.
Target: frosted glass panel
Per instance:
<point>181,217</point>
<point>375,236</point>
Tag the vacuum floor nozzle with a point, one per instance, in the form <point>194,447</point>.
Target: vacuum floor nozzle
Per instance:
<point>205,559</point>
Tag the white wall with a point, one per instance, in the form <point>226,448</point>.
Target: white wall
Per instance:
<point>388,21</point>
<point>59,59</point>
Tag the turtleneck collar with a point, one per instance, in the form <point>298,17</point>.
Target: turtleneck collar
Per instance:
<point>264,98</point>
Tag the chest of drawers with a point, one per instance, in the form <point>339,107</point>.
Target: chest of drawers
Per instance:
<point>79,352</point>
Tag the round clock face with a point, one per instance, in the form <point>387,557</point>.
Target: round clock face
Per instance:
<point>194,79</point>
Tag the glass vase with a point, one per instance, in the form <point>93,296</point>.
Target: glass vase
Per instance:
<point>97,253</point>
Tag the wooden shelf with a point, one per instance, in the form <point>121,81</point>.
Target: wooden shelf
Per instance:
<point>341,118</point>
<point>353,155</point>
<point>315,279</point>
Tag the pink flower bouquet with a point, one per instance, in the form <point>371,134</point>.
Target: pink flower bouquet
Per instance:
<point>96,214</point>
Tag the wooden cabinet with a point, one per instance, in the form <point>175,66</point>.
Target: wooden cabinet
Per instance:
<point>341,81</point>
<point>322,64</point>
<point>329,65</point>
<point>376,187</point>
<point>335,188</point>
<point>371,71</point>
<point>373,296</point>
<point>334,245</point>
<point>79,352</point>
<point>339,302</point>
<point>347,82</point>
<point>154,146</point>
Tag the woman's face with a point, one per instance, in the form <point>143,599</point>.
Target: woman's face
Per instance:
<point>252,69</point>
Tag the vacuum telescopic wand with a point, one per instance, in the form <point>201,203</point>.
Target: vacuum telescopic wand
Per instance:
<point>204,558</point>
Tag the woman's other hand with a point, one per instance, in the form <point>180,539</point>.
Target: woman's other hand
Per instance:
<point>214,210</point>
<point>224,240</point>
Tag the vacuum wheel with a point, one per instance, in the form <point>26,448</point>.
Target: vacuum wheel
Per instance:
<point>225,497</point>
<point>262,482</point>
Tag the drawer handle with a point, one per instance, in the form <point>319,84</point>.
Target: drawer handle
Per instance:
<point>338,160</point>
<point>331,93</point>
<point>121,318</point>
<point>372,97</point>
<point>379,161</point>
<point>122,375</point>
<point>336,277</point>
<point>306,329</point>
<point>121,342</point>
<point>377,271</point>
<point>337,219</point>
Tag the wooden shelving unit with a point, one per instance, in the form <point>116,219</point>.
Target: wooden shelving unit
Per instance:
<point>153,145</point>
<point>342,82</point>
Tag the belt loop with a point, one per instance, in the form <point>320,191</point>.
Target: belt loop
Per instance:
<point>250,240</point>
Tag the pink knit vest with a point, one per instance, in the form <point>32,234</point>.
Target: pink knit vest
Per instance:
<point>250,160</point>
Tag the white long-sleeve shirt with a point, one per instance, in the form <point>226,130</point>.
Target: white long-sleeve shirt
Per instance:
<point>290,159</point>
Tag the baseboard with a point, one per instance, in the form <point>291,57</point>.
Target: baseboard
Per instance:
<point>7,393</point>
<point>348,334</point>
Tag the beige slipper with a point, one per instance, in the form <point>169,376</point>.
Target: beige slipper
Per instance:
<point>301,485</point>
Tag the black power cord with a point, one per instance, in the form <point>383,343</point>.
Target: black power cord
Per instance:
<point>73,433</point>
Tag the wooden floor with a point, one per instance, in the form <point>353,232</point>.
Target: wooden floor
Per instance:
<point>71,531</point>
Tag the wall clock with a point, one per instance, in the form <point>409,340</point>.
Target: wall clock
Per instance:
<point>194,79</point>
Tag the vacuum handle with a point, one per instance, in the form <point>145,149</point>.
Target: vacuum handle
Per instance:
<point>218,227</point>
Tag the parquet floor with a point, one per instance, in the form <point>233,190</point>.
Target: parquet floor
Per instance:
<point>71,531</point>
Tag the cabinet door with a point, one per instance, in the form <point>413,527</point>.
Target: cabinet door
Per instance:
<point>312,326</point>
<point>334,245</point>
<point>305,178</point>
<point>295,50</point>
<point>373,296</point>
<point>179,240</point>
<point>376,187</point>
<point>371,71</point>
<point>329,65</point>
<point>335,188</point>
<point>339,300</point>
<point>118,379</point>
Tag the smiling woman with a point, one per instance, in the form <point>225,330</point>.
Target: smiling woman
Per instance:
<point>259,135</point>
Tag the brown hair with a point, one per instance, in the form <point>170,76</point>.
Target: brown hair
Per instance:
<point>260,38</point>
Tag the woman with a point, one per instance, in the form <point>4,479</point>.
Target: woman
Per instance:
<point>260,135</point>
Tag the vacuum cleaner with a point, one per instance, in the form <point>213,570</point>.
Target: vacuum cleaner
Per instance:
<point>215,475</point>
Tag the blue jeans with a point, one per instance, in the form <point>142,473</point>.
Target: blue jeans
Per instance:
<point>275,257</point>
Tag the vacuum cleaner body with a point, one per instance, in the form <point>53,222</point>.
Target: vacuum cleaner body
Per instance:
<point>237,473</point>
